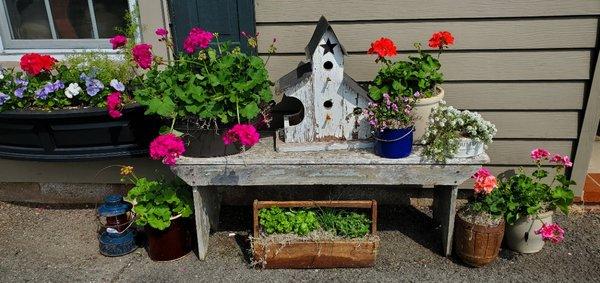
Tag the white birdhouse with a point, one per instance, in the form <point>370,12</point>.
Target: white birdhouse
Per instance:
<point>333,103</point>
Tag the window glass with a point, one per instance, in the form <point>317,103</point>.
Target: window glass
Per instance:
<point>70,19</point>
<point>109,15</point>
<point>28,19</point>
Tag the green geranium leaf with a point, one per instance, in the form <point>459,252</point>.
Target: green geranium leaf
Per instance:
<point>250,111</point>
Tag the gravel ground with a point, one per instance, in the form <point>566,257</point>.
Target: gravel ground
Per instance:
<point>58,244</point>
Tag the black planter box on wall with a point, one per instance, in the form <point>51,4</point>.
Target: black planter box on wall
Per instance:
<point>77,134</point>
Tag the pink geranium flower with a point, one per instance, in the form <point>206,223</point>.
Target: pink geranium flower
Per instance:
<point>562,160</point>
<point>118,41</point>
<point>539,153</point>
<point>197,38</point>
<point>245,134</point>
<point>167,147</point>
<point>161,32</point>
<point>481,173</point>
<point>142,54</point>
<point>485,182</point>
<point>485,185</point>
<point>552,232</point>
<point>113,105</point>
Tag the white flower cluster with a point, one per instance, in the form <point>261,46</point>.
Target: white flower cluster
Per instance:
<point>448,124</point>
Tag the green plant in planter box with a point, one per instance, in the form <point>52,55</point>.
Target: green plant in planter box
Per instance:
<point>447,125</point>
<point>156,202</point>
<point>81,80</point>
<point>416,77</point>
<point>276,220</point>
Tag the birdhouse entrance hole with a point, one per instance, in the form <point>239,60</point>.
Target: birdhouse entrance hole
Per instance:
<point>328,65</point>
<point>328,104</point>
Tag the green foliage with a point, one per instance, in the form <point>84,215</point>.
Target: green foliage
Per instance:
<point>212,86</point>
<point>390,113</point>
<point>275,220</point>
<point>157,201</point>
<point>301,222</point>
<point>529,195</point>
<point>447,125</point>
<point>345,224</point>
<point>493,203</point>
<point>403,78</point>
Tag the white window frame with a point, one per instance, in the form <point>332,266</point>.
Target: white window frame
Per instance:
<point>16,47</point>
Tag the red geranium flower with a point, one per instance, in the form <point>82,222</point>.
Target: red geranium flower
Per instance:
<point>383,47</point>
<point>441,39</point>
<point>34,63</point>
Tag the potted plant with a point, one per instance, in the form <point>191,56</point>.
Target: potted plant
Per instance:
<point>164,210</point>
<point>531,201</point>
<point>48,105</point>
<point>479,225</point>
<point>393,123</point>
<point>209,87</point>
<point>418,78</point>
<point>314,234</point>
<point>453,133</point>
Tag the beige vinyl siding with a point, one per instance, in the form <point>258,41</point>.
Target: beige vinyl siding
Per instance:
<point>278,11</point>
<point>470,65</point>
<point>477,34</point>
<point>524,65</point>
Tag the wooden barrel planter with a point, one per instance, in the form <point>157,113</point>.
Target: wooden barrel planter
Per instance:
<point>75,134</point>
<point>316,254</point>
<point>477,245</point>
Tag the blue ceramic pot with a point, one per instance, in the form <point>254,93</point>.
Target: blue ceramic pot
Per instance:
<point>394,143</point>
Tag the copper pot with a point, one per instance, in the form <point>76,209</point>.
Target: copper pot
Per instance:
<point>477,245</point>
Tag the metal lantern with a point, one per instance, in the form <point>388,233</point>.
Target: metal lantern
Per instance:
<point>117,238</point>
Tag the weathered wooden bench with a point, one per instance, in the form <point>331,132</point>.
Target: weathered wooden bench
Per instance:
<point>262,166</point>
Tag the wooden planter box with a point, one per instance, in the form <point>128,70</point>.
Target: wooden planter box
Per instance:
<point>75,134</point>
<point>316,254</point>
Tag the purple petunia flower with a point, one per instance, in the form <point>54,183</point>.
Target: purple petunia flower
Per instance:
<point>48,89</point>
<point>41,93</point>
<point>117,85</point>
<point>19,91</point>
<point>21,82</point>
<point>93,87</point>
<point>3,98</point>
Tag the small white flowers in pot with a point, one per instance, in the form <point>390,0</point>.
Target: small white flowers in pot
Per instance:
<point>455,133</point>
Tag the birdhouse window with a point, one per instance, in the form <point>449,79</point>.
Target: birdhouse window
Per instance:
<point>328,65</point>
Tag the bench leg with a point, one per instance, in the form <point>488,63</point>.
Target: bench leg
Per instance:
<point>444,210</point>
<point>207,205</point>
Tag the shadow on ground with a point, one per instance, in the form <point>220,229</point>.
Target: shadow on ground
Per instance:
<point>44,243</point>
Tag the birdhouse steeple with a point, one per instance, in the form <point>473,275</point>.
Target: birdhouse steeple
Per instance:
<point>332,101</point>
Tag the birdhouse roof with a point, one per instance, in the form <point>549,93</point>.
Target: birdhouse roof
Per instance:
<point>322,27</point>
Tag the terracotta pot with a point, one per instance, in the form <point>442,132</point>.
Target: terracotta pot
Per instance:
<point>171,243</point>
<point>477,245</point>
<point>521,237</point>
<point>422,110</point>
<point>469,148</point>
